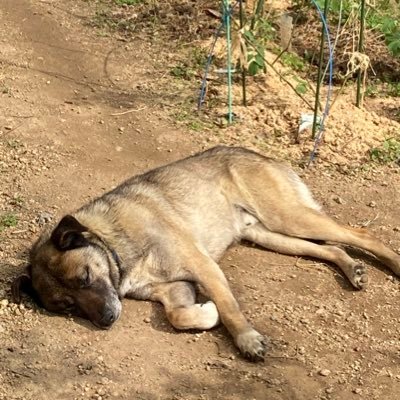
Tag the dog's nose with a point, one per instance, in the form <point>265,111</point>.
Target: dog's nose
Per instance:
<point>109,317</point>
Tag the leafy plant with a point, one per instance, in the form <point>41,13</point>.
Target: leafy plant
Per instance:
<point>302,86</point>
<point>293,61</point>
<point>255,54</point>
<point>394,89</point>
<point>8,221</point>
<point>388,152</point>
<point>182,71</point>
<point>372,90</point>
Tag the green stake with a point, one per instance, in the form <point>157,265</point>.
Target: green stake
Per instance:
<point>243,70</point>
<point>360,50</point>
<point>321,59</point>
<point>227,17</point>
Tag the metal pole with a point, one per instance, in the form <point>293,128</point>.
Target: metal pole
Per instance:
<point>321,59</point>
<point>360,50</point>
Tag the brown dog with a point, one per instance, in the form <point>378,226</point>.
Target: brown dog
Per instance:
<point>159,233</point>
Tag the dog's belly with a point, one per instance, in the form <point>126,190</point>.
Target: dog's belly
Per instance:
<point>217,234</point>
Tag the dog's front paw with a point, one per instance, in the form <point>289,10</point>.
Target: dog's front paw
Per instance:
<point>252,345</point>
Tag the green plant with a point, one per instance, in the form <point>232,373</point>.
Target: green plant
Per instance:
<point>394,89</point>
<point>389,25</point>
<point>388,152</point>
<point>8,221</point>
<point>302,86</point>
<point>253,54</point>
<point>182,71</point>
<point>372,90</point>
<point>293,61</point>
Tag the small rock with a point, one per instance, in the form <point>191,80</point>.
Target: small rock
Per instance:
<point>357,391</point>
<point>147,320</point>
<point>338,200</point>
<point>324,372</point>
<point>329,390</point>
<point>372,204</point>
<point>43,218</point>
<point>4,303</point>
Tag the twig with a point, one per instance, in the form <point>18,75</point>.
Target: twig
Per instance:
<point>13,129</point>
<point>20,231</point>
<point>367,223</point>
<point>128,111</point>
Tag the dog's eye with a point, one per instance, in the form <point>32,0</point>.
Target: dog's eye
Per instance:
<point>85,280</point>
<point>67,304</point>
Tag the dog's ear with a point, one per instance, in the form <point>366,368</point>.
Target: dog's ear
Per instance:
<point>22,283</point>
<point>68,234</point>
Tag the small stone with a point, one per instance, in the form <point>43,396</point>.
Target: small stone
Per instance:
<point>338,200</point>
<point>324,372</point>
<point>329,390</point>
<point>357,391</point>
<point>147,320</point>
<point>4,303</point>
<point>372,204</point>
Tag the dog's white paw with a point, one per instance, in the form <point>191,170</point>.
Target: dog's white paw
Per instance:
<point>208,314</point>
<point>359,277</point>
<point>252,345</point>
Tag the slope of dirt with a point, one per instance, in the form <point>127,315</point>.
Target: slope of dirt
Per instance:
<point>64,138</point>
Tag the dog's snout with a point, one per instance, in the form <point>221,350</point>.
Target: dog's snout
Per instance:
<point>109,317</point>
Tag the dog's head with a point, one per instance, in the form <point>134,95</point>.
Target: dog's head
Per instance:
<point>73,271</point>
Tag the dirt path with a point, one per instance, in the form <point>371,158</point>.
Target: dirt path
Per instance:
<point>60,144</point>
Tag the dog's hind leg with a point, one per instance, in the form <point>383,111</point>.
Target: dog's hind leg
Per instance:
<point>306,223</point>
<point>280,243</point>
<point>179,300</point>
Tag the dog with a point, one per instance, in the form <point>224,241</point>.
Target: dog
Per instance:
<point>159,235</point>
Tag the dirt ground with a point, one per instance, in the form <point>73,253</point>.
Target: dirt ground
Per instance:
<point>64,138</point>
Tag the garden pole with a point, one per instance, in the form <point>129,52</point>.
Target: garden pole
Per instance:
<point>243,68</point>
<point>360,50</point>
<point>227,20</point>
<point>321,60</point>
